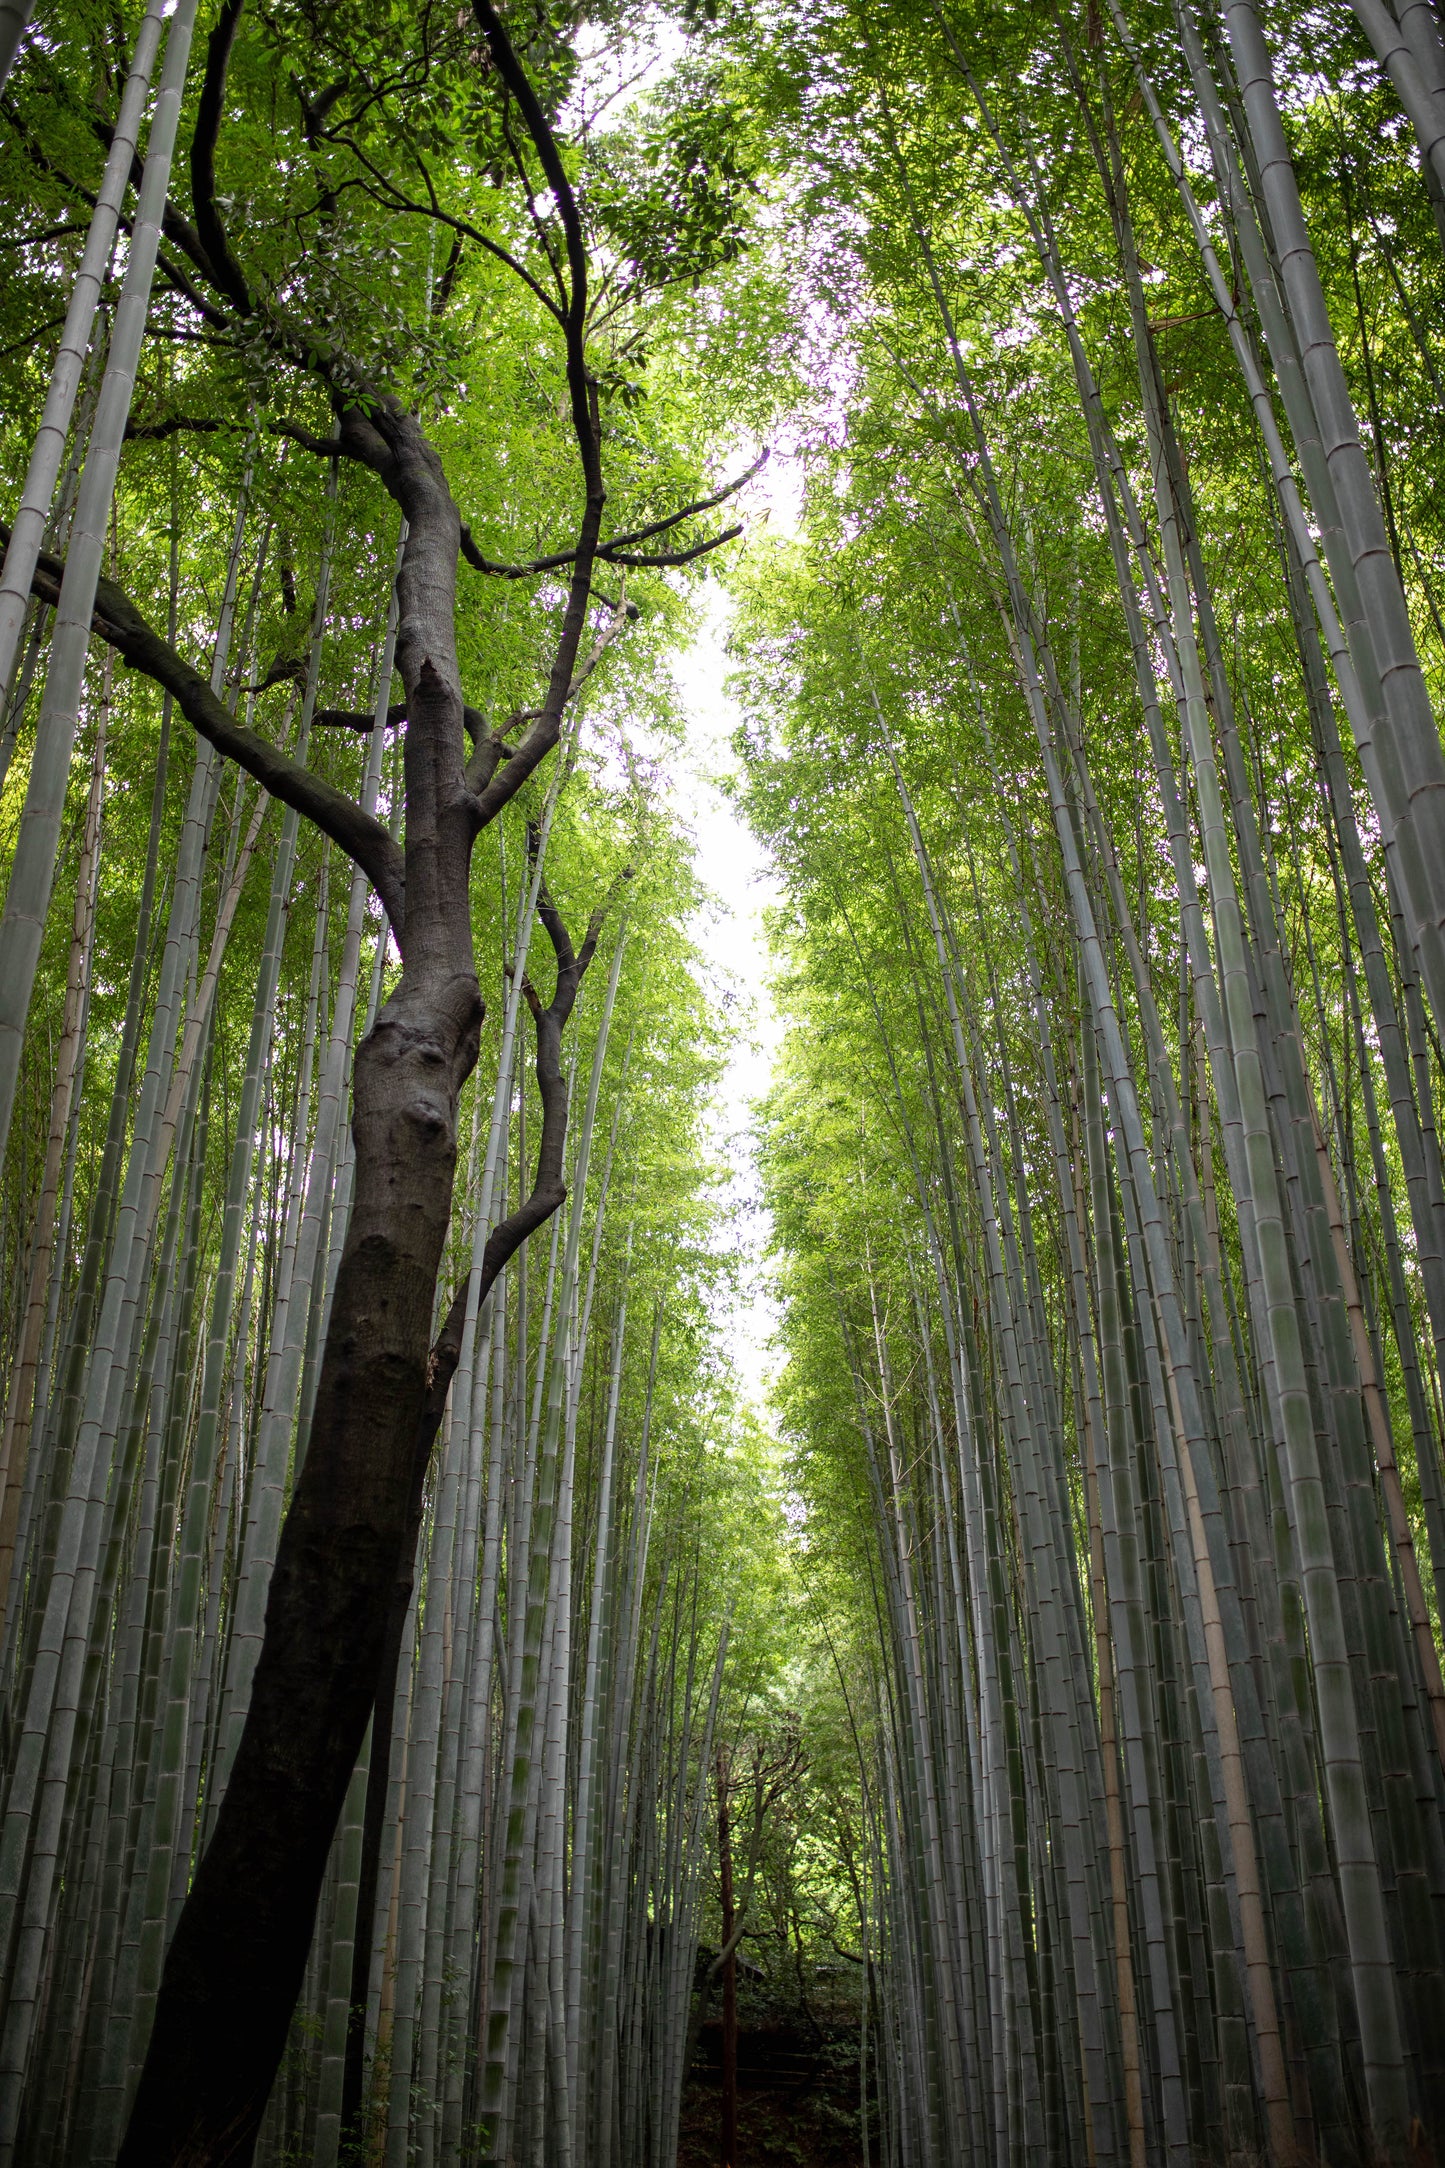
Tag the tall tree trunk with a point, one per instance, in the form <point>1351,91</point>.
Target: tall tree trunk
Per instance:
<point>238,1956</point>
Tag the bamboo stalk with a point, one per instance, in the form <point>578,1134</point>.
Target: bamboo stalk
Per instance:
<point>28,896</point>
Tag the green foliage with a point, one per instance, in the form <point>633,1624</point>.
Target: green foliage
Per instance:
<point>823,223</point>
<point>672,193</point>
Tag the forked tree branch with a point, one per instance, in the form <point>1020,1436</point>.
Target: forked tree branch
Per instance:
<point>614,556</point>
<point>549,1186</point>
<point>460,228</point>
<point>519,83</point>
<point>493,790</point>
<point>582,389</point>
<point>549,1189</point>
<point>608,551</point>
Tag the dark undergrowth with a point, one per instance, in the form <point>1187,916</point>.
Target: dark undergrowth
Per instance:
<point>798,2082</point>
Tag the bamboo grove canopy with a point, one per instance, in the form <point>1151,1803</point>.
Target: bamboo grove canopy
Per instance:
<point>401,1603</point>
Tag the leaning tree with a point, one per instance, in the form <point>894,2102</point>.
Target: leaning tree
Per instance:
<point>413,108</point>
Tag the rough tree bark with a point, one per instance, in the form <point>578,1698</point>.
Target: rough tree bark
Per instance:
<point>548,1192</point>
<point>236,1961</point>
<point>238,1954</point>
<point>237,1958</point>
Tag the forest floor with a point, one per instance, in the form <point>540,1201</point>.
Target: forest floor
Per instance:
<point>797,2090</point>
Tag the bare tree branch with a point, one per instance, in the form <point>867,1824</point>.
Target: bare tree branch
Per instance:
<point>462,228</point>
<point>174,425</point>
<point>515,76</point>
<point>608,550</point>
<point>493,791</point>
<point>323,447</point>
<point>226,273</point>
<point>549,1187</point>
<point>615,556</point>
<point>363,720</point>
<point>205,425</point>
<point>703,504</point>
<point>542,737</point>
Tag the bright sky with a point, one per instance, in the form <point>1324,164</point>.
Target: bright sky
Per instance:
<point>734,869</point>
<point>729,863</point>
<point>730,933</point>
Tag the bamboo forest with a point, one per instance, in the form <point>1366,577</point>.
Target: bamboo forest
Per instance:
<point>722,1073</point>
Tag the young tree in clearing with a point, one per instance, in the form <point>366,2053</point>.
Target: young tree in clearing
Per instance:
<point>236,1959</point>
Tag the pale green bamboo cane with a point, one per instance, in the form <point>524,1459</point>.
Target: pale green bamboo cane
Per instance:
<point>20,1405</point>
<point>1405,742</point>
<point>32,873</point>
<point>48,450</point>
